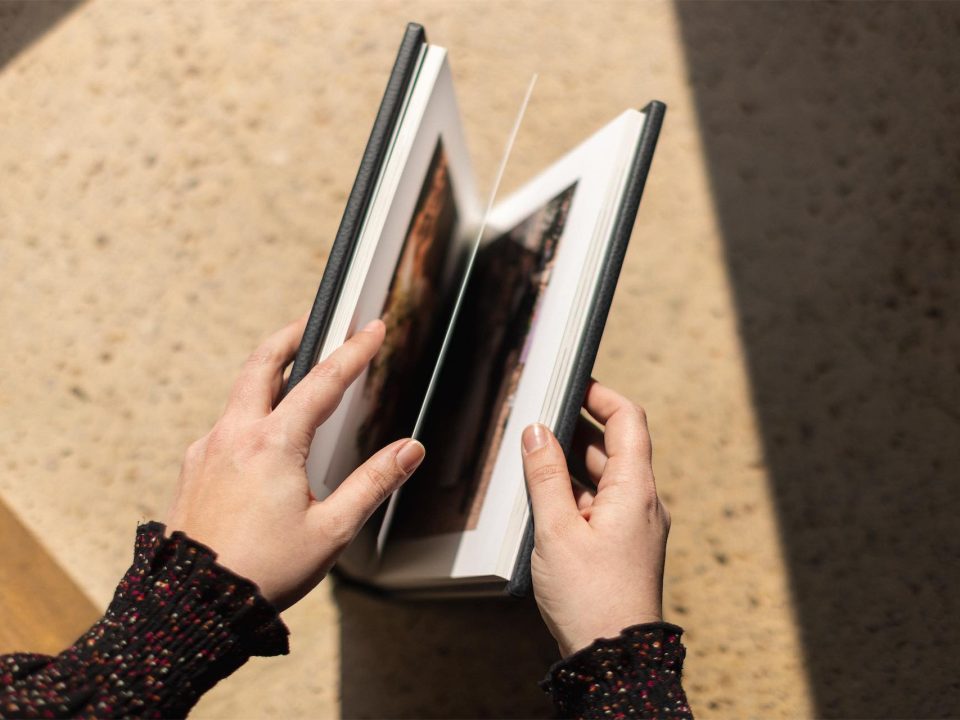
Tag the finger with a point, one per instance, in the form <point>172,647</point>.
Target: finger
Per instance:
<point>548,481</point>
<point>255,390</point>
<point>625,424</point>
<point>626,441</point>
<point>583,496</point>
<point>279,379</point>
<point>353,502</point>
<point>316,396</point>
<point>588,456</point>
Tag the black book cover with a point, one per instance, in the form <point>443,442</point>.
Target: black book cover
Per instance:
<point>341,252</point>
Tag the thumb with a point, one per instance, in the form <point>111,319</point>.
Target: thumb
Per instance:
<point>353,502</point>
<point>548,480</point>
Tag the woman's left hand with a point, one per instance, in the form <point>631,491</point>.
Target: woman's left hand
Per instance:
<point>243,487</point>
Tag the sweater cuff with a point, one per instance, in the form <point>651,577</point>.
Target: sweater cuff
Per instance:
<point>636,674</point>
<point>177,588</point>
<point>178,624</point>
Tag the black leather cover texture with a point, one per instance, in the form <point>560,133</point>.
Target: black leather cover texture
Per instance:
<point>521,583</point>
<point>358,202</point>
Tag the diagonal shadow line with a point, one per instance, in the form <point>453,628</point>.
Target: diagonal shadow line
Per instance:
<point>22,22</point>
<point>831,137</point>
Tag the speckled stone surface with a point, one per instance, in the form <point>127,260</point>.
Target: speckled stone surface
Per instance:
<point>832,140</point>
<point>172,175</point>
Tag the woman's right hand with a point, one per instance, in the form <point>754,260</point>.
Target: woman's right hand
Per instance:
<point>598,557</point>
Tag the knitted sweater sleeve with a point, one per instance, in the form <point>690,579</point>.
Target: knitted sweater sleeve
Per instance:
<point>635,675</point>
<point>178,624</point>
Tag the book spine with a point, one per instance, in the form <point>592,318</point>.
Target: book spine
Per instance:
<point>357,203</point>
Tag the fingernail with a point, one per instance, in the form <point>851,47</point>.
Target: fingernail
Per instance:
<point>534,437</point>
<point>410,456</point>
<point>371,325</point>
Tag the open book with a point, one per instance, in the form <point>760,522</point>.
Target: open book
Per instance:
<point>483,338</point>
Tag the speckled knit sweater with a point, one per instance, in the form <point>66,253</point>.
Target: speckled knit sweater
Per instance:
<point>179,623</point>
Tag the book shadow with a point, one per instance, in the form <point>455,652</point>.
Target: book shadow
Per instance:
<point>451,659</point>
<point>833,151</point>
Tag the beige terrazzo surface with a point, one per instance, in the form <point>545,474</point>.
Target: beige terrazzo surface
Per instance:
<point>172,175</point>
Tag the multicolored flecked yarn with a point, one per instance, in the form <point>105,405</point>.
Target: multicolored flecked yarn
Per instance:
<point>178,623</point>
<point>635,675</point>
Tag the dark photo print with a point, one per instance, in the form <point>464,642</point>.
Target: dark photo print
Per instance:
<point>474,395</point>
<point>415,315</point>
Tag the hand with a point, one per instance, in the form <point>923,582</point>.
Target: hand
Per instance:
<point>243,487</point>
<point>598,558</point>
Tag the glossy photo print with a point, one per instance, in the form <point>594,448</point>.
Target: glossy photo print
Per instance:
<point>474,395</point>
<point>415,312</point>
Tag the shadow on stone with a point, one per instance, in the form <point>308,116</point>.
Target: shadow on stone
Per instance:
<point>453,659</point>
<point>831,133</point>
<point>24,21</point>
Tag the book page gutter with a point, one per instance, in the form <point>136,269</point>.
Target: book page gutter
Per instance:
<point>392,503</point>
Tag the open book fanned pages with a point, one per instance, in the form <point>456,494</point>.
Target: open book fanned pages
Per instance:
<point>485,334</point>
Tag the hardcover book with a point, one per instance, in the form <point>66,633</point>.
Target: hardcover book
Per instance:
<point>494,317</point>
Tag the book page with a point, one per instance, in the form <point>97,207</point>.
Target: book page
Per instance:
<point>415,311</point>
<point>405,267</point>
<point>521,332</point>
<point>474,392</point>
<point>454,315</point>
